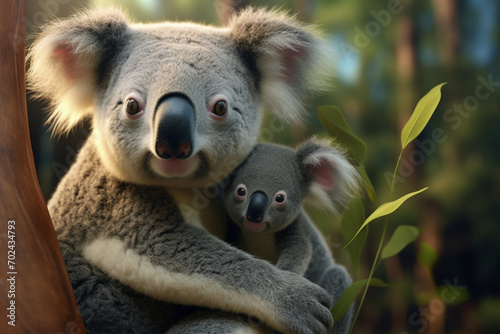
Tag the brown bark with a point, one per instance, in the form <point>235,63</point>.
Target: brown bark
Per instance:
<point>447,22</point>
<point>44,300</point>
<point>395,299</point>
<point>435,311</point>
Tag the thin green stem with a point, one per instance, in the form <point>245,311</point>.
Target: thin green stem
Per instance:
<point>379,249</point>
<point>394,175</point>
<point>371,274</point>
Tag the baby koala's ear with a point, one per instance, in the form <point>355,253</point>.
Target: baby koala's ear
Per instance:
<point>333,180</point>
<point>71,59</point>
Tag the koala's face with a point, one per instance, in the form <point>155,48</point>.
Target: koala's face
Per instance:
<point>182,108</point>
<point>265,193</point>
<point>173,104</point>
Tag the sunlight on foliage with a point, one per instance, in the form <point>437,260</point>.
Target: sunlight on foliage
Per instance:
<point>334,122</point>
<point>421,116</point>
<point>386,209</point>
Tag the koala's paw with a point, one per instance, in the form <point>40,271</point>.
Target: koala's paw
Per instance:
<point>304,307</point>
<point>335,281</point>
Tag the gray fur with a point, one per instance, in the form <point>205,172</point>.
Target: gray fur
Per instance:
<point>215,322</point>
<point>130,256</point>
<point>273,169</point>
<point>151,225</point>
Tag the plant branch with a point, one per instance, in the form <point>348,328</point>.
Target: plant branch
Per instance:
<point>371,272</point>
<point>379,249</point>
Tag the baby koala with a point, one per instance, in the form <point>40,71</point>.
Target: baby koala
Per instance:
<point>264,197</point>
<point>265,193</point>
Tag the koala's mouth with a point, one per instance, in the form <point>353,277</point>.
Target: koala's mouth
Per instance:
<point>255,227</point>
<point>174,167</point>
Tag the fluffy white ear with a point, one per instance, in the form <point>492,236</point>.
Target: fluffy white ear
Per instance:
<point>287,57</point>
<point>70,59</point>
<point>333,179</point>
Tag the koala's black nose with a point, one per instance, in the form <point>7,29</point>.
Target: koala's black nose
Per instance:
<point>174,123</point>
<point>257,208</point>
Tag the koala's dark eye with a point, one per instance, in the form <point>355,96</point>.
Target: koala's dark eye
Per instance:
<point>132,107</point>
<point>241,192</point>
<point>280,198</point>
<point>220,108</point>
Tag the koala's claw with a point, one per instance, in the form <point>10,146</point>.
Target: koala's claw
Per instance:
<point>306,309</point>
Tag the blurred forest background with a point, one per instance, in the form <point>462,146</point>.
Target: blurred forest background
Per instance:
<point>389,53</point>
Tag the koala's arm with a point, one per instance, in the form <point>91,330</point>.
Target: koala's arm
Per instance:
<point>178,263</point>
<point>188,266</point>
<point>294,248</point>
<point>137,235</point>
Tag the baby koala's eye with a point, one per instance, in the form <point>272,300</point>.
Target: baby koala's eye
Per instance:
<point>241,192</point>
<point>280,198</point>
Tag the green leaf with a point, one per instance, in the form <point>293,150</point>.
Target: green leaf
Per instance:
<point>352,219</point>
<point>453,295</point>
<point>427,255</point>
<point>334,122</point>
<point>386,209</point>
<point>424,298</point>
<point>349,295</point>
<point>370,190</point>
<point>402,237</point>
<point>421,115</point>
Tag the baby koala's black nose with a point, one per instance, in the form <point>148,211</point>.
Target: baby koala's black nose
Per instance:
<point>257,208</point>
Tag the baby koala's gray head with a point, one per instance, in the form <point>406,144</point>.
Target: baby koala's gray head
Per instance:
<point>265,193</point>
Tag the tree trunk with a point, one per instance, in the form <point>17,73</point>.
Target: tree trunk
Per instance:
<point>449,33</point>
<point>36,292</point>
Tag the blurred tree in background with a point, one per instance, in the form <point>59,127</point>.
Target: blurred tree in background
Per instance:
<point>388,53</point>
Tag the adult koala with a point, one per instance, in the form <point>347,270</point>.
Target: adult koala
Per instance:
<point>173,106</point>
